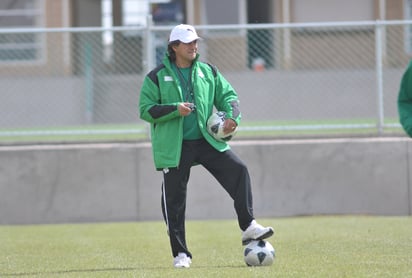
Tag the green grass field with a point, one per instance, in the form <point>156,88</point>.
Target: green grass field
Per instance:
<point>140,132</point>
<point>325,246</point>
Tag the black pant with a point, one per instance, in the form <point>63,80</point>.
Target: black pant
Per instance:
<point>228,170</point>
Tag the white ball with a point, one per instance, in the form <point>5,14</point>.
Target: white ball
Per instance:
<point>259,253</point>
<point>215,127</point>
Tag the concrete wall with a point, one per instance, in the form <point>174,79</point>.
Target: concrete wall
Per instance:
<point>117,182</point>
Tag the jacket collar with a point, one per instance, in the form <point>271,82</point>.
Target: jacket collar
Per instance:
<point>167,62</point>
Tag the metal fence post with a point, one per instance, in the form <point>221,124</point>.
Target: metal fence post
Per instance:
<point>89,78</point>
<point>149,45</point>
<point>379,74</point>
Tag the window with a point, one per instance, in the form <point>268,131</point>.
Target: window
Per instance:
<point>135,12</point>
<point>331,10</point>
<point>222,12</point>
<point>16,47</point>
<point>216,12</point>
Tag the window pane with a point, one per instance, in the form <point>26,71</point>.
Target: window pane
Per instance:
<point>20,14</point>
<point>332,10</point>
<point>226,13</point>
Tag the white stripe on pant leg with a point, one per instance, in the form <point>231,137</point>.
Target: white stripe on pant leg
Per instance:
<point>164,199</point>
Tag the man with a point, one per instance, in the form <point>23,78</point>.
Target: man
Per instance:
<point>405,100</point>
<point>177,98</point>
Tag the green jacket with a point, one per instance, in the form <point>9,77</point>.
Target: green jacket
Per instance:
<point>405,100</point>
<point>161,93</point>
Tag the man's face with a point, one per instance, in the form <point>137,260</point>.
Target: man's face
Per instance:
<point>186,51</point>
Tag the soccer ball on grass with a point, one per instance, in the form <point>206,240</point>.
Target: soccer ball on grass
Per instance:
<point>215,127</point>
<point>259,253</point>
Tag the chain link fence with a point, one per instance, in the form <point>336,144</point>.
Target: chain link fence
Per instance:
<point>292,79</point>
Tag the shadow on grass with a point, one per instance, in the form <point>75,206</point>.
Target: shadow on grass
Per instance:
<point>70,271</point>
<point>108,270</point>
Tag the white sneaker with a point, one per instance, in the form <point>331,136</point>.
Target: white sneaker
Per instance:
<point>182,261</point>
<point>256,231</point>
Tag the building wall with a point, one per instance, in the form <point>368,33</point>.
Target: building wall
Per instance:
<point>394,9</point>
<point>86,13</point>
<point>326,43</point>
<point>236,53</point>
<point>80,13</point>
<point>320,43</point>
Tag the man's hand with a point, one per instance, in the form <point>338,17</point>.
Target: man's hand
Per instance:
<point>229,125</point>
<point>185,108</point>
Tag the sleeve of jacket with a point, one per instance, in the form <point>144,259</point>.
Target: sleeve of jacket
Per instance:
<point>405,100</point>
<point>226,98</point>
<point>151,108</point>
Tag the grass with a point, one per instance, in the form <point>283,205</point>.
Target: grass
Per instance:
<point>140,132</point>
<point>324,246</point>
<point>86,133</point>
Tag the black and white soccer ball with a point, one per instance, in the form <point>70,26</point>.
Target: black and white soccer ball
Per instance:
<point>215,127</point>
<point>259,253</point>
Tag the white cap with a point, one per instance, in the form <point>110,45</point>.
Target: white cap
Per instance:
<point>184,33</point>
